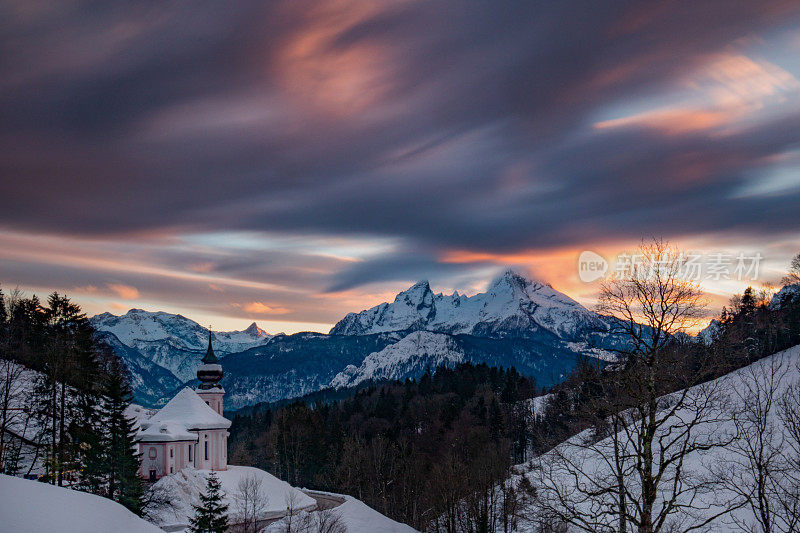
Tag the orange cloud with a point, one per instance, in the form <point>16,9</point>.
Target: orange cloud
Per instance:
<point>126,292</point>
<point>337,78</point>
<point>725,89</point>
<point>259,308</point>
<point>671,121</point>
<point>88,289</point>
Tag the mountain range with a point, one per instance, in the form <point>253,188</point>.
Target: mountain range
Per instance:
<point>517,322</point>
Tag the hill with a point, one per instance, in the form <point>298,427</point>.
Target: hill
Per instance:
<point>32,507</point>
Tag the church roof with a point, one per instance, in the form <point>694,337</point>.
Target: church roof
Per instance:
<point>182,414</point>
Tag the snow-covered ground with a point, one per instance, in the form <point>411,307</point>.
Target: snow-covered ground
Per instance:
<point>355,515</point>
<point>187,485</point>
<point>33,507</point>
<point>555,480</point>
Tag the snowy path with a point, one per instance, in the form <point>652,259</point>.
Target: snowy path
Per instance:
<point>324,500</point>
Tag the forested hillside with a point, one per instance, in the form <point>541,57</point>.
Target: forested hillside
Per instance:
<point>437,452</point>
<point>63,397</point>
<point>412,450</point>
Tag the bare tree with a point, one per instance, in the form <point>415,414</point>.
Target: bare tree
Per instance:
<point>157,499</point>
<point>758,467</point>
<point>793,276</point>
<point>789,413</point>
<point>11,406</point>
<point>250,503</point>
<point>630,471</point>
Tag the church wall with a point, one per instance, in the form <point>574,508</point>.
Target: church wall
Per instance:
<point>164,457</point>
<point>153,457</point>
<point>217,442</point>
<point>213,399</point>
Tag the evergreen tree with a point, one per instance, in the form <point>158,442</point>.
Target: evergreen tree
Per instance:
<point>122,462</point>
<point>86,431</point>
<point>211,516</point>
<point>3,312</point>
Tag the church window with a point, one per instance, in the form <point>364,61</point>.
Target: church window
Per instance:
<point>190,452</point>
<point>152,453</point>
<point>171,453</point>
<point>206,443</point>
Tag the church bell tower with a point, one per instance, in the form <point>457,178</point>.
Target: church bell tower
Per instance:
<point>210,373</point>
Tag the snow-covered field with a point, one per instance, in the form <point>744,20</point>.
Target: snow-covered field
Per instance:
<point>187,485</point>
<point>556,474</point>
<point>33,507</point>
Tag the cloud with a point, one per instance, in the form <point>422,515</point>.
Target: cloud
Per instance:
<point>670,121</point>
<point>363,143</point>
<point>258,308</point>
<point>125,292</point>
<point>726,89</point>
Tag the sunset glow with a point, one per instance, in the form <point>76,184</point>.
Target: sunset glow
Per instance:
<point>292,162</point>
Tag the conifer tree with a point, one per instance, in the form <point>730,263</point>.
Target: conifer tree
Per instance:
<point>211,516</point>
<point>3,312</point>
<point>122,462</point>
<point>86,431</point>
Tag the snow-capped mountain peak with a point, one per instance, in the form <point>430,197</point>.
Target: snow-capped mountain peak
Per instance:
<point>419,294</point>
<point>512,305</point>
<point>174,341</point>
<point>255,331</point>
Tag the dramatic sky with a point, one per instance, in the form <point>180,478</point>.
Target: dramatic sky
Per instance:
<point>287,162</point>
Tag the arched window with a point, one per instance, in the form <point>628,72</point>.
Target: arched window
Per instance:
<point>171,453</point>
<point>190,452</point>
<point>206,443</point>
<point>152,453</point>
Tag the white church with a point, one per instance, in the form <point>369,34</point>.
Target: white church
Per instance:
<point>189,430</point>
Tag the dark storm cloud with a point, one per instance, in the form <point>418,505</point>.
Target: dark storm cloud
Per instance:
<point>447,125</point>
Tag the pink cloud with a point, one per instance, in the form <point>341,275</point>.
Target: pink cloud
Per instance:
<point>258,308</point>
<point>126,292</point>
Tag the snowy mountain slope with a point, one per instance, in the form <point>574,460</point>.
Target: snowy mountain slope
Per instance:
<point>516,322</point>
<point>150,381</point>
<point>547,360</point>
<point>786,294</point>
<point>293,365</point>
<point>174,341</point>
<point>512,305</point>
<point>32,507</point>
<point>552,479</point>
<point>409,357</point>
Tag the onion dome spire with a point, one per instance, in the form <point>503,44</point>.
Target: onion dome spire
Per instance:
<point>210,371</point>
<point>210,358</point>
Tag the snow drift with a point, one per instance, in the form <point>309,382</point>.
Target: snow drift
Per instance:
<point>32,507</point>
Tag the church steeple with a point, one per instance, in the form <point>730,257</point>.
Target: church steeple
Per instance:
<point>210,358</point>
<point>210,372</point>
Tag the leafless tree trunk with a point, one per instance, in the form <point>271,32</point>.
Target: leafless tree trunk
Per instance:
<point>631,473</point>
<point>156,500</point>
<point>250,502</point>
<point>11,405</point>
